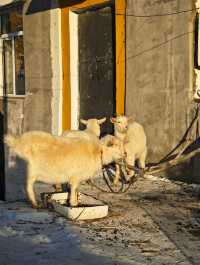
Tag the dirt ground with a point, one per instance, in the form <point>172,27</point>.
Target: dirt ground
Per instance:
<point>156,222</point>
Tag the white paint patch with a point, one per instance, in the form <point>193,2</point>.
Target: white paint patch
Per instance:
<point>56,57</point>
<point>41,239</point>
<point>74,70</point>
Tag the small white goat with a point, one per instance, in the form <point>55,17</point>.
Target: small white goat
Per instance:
<point>54,160</point>
<point>134,140</point>
<point>92,127</point>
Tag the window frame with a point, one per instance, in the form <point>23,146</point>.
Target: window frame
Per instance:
<point>10,36</point>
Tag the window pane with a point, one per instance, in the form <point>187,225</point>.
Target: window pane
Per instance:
<point>5,25</point>
<point>16,20</point>
<point>8,67</point>
<point>19,66</point>
<point>11,22</point>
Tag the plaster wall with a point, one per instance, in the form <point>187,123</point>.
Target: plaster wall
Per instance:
<point>159,67</point>
<point>38,68</point>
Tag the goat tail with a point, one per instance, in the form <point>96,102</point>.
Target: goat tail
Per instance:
<point>11,141</point>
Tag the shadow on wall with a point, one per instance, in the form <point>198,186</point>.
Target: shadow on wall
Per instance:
<point>16,172</point>
<point>44,5</point>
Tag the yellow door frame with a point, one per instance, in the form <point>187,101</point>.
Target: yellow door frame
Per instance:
<point>66,6</point>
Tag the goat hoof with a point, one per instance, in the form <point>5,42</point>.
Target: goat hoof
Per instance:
<point>35,206</point>
<point>75,204</point>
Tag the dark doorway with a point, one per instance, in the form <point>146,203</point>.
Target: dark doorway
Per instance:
<point>97,63</point>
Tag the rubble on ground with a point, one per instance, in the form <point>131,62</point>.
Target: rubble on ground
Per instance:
<point>156,222</point>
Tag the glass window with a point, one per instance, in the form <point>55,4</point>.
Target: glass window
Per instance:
<point>11,22</point>
<point>4,23</point>
<point>8,66</point>
<point>19,66</point>
<point>12,52</point>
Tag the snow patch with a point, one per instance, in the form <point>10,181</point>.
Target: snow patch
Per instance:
<point>10,232</point>
<point>41,239</point>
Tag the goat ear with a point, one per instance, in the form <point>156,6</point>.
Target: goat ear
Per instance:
<point>113,120</point>
<point>101,120</point>
<point>110,143</point>
<point>83,121</point>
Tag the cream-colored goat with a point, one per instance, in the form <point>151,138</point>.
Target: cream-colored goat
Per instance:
<point>93,125</point>
<point>52,159</point>
<point>134,140</point>
<point>92,128</point>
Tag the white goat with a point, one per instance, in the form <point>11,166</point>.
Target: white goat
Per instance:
<point>92,127</point>
<point>134,140</point>
<point>54,160</point>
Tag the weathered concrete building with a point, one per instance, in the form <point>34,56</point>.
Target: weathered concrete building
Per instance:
<point>63,60</point>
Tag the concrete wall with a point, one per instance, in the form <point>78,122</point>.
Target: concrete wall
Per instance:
<point>43,68</point>
<point>38,68</point>
<point>159,64</point>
